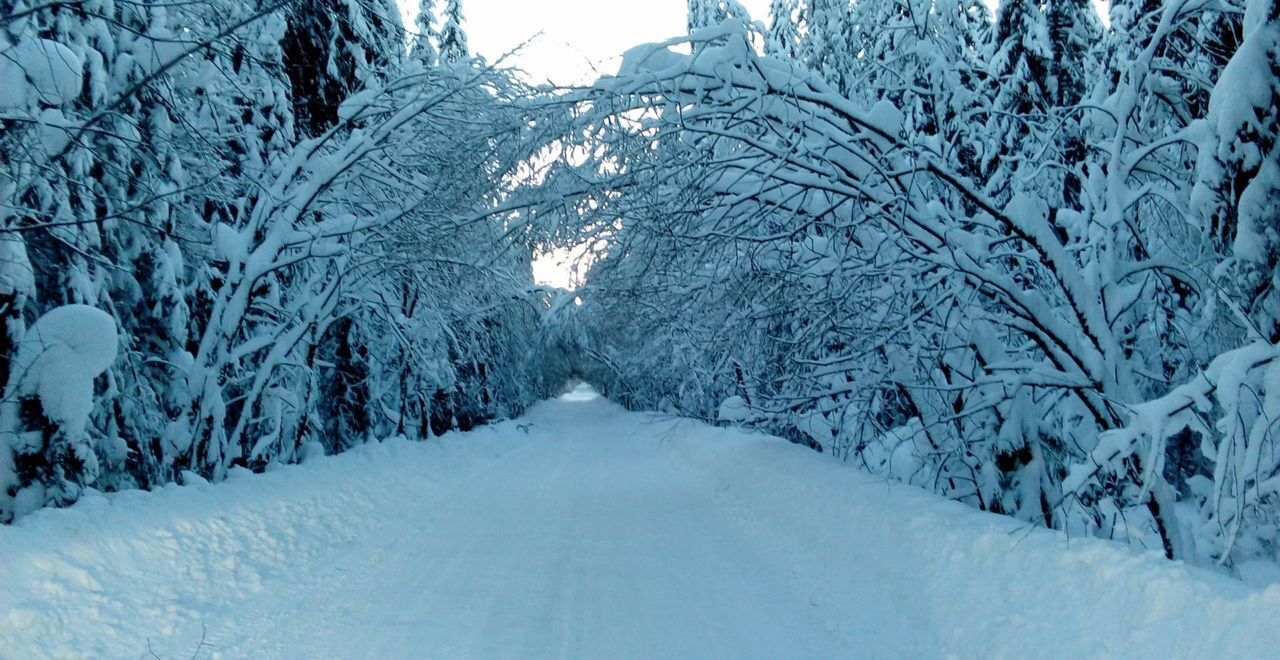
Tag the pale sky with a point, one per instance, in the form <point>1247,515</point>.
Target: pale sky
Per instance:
<point>575,33</point>
<point>579,38</point>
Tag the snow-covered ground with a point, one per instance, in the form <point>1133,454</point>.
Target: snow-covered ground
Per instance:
<point>584,531</point>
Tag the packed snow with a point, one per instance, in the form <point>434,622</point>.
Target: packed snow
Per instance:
<point>583,530</point>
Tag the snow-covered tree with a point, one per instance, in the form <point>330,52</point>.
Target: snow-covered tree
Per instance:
<point>704,13</point>
<point>424,44</point>
<point>331,49</point>
<point>1031,265</point>
<point>827,46</point>
<point>453,38</point>
<point>267,282</point>
<point>783,39</point>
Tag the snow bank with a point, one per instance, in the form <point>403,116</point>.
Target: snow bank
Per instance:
<point>117,574</point>
<point>979,585</point>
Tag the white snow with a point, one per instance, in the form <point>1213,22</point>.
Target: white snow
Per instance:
<point>16,274</point>
<point>360,105</point>
<point>60,356</point>
<point>653,58</point>
<point>886,117</point>
<point>230,245</point>
<point>584,531</point>
<point>734,409</point>
<point>55,131</point>
<point>38,69</point>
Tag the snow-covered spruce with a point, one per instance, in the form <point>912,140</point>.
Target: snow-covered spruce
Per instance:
<point>56,363</point>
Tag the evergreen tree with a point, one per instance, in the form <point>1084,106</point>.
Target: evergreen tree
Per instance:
<point>453,38</point>
<point>894,47</point>
<point>1019,61</point>
<point>331,49</point>
<point>1074,32</point>
<point>783,39</point>
<point>423,46</point>
<point>1239,167</point>
<point>705,13</point>
<point>827,45</point>
<point>1074,29</point>
<point>958,78</point>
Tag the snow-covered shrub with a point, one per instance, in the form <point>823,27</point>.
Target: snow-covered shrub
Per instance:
<point>46,407</point>
<point>1230,411</point>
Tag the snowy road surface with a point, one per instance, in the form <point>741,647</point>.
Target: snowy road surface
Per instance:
<point>583,531</point>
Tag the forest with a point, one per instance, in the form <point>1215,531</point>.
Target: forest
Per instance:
<point>1024,258</point>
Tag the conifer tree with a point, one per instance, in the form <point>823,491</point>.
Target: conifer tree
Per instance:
<point>783,39</point>
<point>423,45</point>
<point>1239,167</point>
<point>827,46</point>
<point>331,49</point>
<point>705,13</point>
<point>453,38</point>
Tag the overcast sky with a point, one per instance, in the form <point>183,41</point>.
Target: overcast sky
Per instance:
<point>578,38</point>
<point>576,33</point>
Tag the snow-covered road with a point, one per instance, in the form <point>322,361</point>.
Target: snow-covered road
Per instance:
<point>584,531</point>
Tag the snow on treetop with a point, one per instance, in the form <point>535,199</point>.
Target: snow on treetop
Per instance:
<point>60,356</point>
<point>38,70</point>
<point>650,57</point>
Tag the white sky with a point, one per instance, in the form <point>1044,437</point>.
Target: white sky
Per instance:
<point>579,40</point>
<point>576,34</point>
<point>574,41</point>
